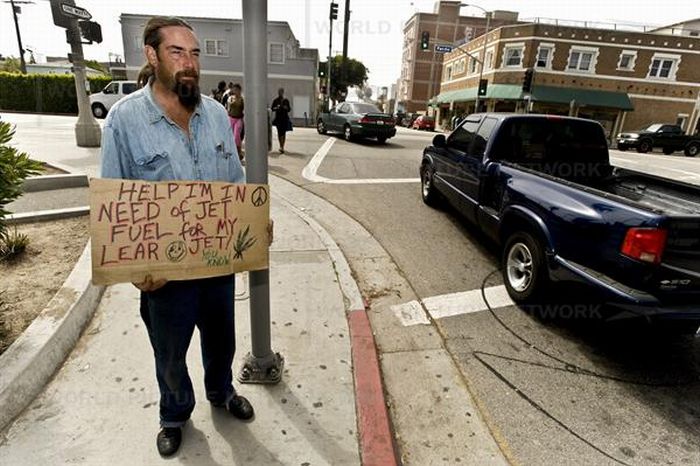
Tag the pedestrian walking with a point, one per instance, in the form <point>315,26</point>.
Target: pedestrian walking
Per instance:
<point>234,105</point>
<point>281,120</point>
<point>168,131</point>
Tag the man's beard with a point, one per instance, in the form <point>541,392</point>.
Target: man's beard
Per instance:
<point>187,91</point>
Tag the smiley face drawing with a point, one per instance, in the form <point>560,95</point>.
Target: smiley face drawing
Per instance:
<point>176,251</point>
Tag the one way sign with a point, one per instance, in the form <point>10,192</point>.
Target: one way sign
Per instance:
<point>75,11</point>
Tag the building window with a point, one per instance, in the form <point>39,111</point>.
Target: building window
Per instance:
<point>513,55</point>
<point>627,60</point>
<point>544,56</point>
<point>275,54</point>
<point>664,66</point>
<point>582,59</point>
<point>489,59</point>
<point>472,65</point>
<point>216,48</point>
<point>448,72</point>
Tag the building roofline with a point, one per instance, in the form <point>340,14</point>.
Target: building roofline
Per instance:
<point>198,18</point>
<point>675,24</point>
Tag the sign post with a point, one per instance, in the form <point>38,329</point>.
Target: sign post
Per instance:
<point>66,15</point>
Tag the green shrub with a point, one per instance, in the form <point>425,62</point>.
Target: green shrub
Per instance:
<point>15,167</point>
<point>43,93</point>
<point>13,245</point>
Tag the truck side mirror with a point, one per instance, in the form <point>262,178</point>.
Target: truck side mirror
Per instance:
<point>439,141</point>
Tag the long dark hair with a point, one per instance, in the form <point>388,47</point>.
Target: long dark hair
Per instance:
<point>152,37</point>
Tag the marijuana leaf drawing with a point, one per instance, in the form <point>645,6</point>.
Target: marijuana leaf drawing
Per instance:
<point>243,242</point>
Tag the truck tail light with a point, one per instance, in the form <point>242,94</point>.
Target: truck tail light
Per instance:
<point>645,244</point>
<point>365,119</point>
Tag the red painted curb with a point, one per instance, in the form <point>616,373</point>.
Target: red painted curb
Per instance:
<point>376,439</point>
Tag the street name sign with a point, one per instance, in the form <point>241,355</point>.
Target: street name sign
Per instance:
<point>75,11</point>
<point>440,48</point>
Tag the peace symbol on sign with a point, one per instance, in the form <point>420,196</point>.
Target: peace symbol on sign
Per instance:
<point>259,196</point>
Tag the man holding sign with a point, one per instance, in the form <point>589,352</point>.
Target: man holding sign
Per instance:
<point>168,131</point>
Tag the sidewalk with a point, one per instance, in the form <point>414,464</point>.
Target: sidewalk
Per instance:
<point>102,406</point>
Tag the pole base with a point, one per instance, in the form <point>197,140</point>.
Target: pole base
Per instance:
<point>261,370</point>
<point>88,134</point>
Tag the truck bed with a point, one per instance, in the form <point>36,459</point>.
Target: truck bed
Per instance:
<point>658,194</point>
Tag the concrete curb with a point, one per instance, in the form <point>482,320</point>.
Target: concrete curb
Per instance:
<point>45,215</point>
<point>49,182</point>
<point>30,362</point>
<point>373,422</point>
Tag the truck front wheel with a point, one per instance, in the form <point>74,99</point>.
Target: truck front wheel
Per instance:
<point>692,149</point>
<point>321,127</point>
<point>523,267</point>
<point>99,111</point>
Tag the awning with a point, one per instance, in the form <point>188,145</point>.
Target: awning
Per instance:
<point>545,94</point>
<point>589,97</point>
<point>493,91</point>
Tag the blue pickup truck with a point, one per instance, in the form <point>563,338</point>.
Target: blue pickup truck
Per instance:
<point>543,187</point>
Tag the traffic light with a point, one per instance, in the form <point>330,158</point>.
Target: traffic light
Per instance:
<point>483,87</point>
<point>91,31</point>
<point>322,71</point>
<point>425,40</point>
<point>334,10</point>
<point>527,80</point>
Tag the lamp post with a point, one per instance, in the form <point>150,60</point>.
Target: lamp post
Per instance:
<point>483,51</point>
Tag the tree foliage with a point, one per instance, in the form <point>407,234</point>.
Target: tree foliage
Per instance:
<point>356,75</point>
<point>11,65</point>
<point>15,167</point>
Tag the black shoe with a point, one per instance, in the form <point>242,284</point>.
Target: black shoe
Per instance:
<point>169,440</point>
<point>240,407</point>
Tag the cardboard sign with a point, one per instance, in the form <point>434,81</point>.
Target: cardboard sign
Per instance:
<point>177,230</point>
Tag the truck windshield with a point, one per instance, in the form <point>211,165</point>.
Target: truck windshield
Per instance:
<point>553,145</point>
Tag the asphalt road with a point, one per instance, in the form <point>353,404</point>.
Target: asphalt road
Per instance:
<point>575,389</point>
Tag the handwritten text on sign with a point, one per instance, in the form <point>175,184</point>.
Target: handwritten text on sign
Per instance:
<point>176,230</point>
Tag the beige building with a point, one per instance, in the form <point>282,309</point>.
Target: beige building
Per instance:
<point>421,70</point>
<point>624,79</point>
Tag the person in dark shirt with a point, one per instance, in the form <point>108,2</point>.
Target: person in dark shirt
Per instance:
<point>281,120</point>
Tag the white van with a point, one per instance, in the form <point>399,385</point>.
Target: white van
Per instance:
<point>101,102</point>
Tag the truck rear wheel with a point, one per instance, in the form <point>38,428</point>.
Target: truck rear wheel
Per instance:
<point>644,147</point>
<point>523,267</point>
<point>692,149</point>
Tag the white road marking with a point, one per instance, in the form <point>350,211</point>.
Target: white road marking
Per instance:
<point>310,170</point>
<point>449,305</point>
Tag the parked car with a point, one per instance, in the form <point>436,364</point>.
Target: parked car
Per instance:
<point>424,122</point>
<point>409,119</point>
<point>669,138</point>
<point>102,102</point>
<point>543,188</point>
<point>355,119</point>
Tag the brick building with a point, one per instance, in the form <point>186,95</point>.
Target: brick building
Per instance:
<point>421,70</point>
<point>624,79</point>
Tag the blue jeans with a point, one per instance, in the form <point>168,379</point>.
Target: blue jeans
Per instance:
<point>170,314</point>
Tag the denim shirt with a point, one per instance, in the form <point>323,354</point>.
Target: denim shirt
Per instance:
<point>140,142</point>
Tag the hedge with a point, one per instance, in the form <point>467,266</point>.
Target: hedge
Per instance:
<point>43,93</point>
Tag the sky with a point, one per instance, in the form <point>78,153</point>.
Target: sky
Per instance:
<point>376,26</point>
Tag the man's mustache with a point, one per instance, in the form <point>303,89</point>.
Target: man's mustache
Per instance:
<point>186,74</point>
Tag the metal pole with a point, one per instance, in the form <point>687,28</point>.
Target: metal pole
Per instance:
<point>483,59</point>
<point>22,64</point>
<point>262,365</point>
<point>330,45</point>
<point>346,23</point>
<point>87,130</point>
